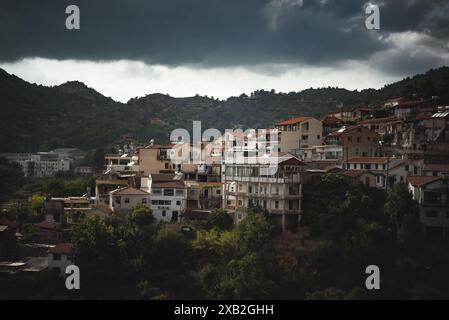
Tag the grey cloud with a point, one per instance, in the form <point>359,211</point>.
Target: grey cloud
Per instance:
<point>210,33</point>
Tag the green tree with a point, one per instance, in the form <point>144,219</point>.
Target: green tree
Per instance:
<point>11,178</point>
<point>403,214</point>
<point>219,218</point>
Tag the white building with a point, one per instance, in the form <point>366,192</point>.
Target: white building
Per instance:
<point>277,190</point>
<point>59,257</point>
<point>123,200</point>
<point>432,195</point>
<point>168,200</point>
<point>41,164</point>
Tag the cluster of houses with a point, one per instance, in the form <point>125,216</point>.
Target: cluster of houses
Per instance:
<point>47,164</point>
<point>396,142</point>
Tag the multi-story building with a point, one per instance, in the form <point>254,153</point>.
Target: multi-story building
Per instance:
<point>168,200</point>
<point>322,157</point>
<point>41,164</point>
<point>156,159</point>
<point>356,141</point>
<point>432,195</point>
<point>297,133</point>
<point>275,188</point>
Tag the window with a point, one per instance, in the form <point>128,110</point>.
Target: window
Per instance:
<point>318,137</point>
<point>157,191</point>
<point>349,139</point>
<point>126,200</point>
<point>164,213</point>
<point>144,200</point>
<point>179,192</point>
<point>276,204</point>
<point>431,214</point>
<point>56,256</point>
<point>154,202</point>
<point>407,167</point>
<point>168,192</point>
<point>432,197</point>
<point>118,199</point>
<point>178,203</point>
<point>218,191</point>
<point>166,165</point>
<point>359,139</point>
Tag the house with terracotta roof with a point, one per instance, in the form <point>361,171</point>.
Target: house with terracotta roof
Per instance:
<point>59,257</point>
<point>356,141</point>
<point>379,166</point>
<point>300,132</point>
<point>356,177</point>
<point>432,195</point>
<point>123,200</point>
<point>52,232</point>
<point>168,199</point>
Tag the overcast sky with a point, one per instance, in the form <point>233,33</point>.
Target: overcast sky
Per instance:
<point>221,47</point>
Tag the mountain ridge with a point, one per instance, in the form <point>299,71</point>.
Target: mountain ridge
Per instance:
<point>36,117</point>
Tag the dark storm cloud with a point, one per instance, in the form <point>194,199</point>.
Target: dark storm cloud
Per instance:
<point>211,32</point>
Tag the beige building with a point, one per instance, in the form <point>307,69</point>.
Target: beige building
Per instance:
<point>298,133</point>
<point>156,159</point>
<point>358,141</point>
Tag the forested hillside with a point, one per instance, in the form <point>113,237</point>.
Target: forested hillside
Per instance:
<point>35,117</point>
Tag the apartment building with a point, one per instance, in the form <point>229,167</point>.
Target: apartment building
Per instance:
<point>297,133</point>
<point>156,159</point>
<point>356,141</point>
<point>276,189</point>
<point>432,195</point>
<point>41,164</point>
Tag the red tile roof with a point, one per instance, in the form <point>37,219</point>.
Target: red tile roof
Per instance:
<point>293,121</point>
<point>379,120</point>
<point>157,177</point>
<point>327,120</point>
<point>169,184</point>
<point>48,225</point>
<point>62,248</point>
<point>368,160</point>
<point>129,191</point>
<point>418,181</point>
